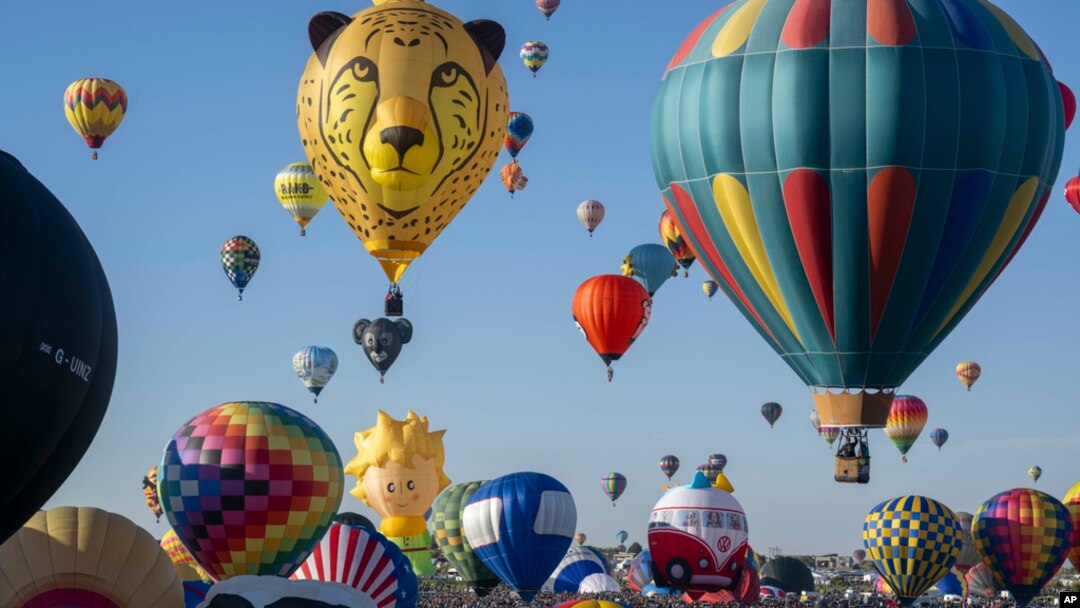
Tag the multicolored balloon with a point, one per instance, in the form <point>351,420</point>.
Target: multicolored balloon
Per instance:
<point>82,556</point>
<point>830,434</point>
<point>589,603</point>
<point>953,583</point>
<point>153,502</point>
<point>1072,503</point>
<point>578,565</point>
<point>521,526</point>
<point>969,557</point>
<point>980,582</point>
<point>254,466</point>
<point>718,460</point>
<point>95,107</point>
<point>315,366</point>
<point>639,574</point>
<point>365,561</point>
<point>939,437</point>
<point>669,465</point>
<point>650,264</point>
<point>676,244</point>
<point>590,213</point>
<point>621,536</point>
<point>907,417</point>
<point>519,128</point>
<point>613,484</point>
<point>547,7</point>
<point>1023,537</point>
<point>709,287</point>
<point>859,555</point>
<point>534,55</point>
<point>299,191</point>
<point>912,541</point>
<point>711,471</point>
<point>1035,473</point>
<point>240,259</point>
<point>820,223</point>
<point>967,372</point>
<point>771,412</point>
<point>512,178</point>
<point>611,312</point>
<point>450,535</point>
<point>185,565</point>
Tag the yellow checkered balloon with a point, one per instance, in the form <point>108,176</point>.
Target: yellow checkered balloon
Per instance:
<point>913,541</point>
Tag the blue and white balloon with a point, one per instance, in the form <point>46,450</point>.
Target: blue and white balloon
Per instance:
<point>315,365</point>
<point>578,564</point>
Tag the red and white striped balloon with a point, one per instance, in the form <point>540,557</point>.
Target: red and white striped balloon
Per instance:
<point>355,557</point>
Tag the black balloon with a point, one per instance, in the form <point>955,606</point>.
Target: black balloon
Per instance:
<point>57,344</point>
<point>787,573</point>
<point>382,340</point>
<point>355,520</point>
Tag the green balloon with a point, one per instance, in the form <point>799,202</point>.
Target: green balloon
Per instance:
<point>450,535</point>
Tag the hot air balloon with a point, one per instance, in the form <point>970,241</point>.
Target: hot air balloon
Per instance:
<point>149,484</point>
<point>650,264</point>
<point>253,465</point>
<point>953,583</point>
<point>859,555</point>
<point>788,574</point>
<point>698,538</point>
<point>1023,536</point>
<point>58,356</point>
<point>1072,193</point>
<point>719,460</point>
<point>185,565</point>
<point>710,470</point>
<point>95,107</point>
<point>639,573</point>
<point>247,591</point>
<point>912,541</point>
<point>548,7</point>
<point>519,128</point>
<point>240,259</point>
<point>382,340</point>
<point>534,55</point>
<point>771,412</point>
<point>669,465</point>
<point>450,535</point>
<point>968,555</point>
<point>300,193</point>
<point>939,437</point>
<point>521,525</point>
<point>672,238</point>
<point>355,520</point>
<point>906,421</point>
<point>1035,473</point>
<point>580,564</point>
<point>588,603</point>
<point>864,213</point>
<point>399,155</point>
<point>613,484</point>
<point>968,372</point>
<point>365,561</point>
<point>709,287</point>
<point>512,178</point>
<point>580,538</point>
<point>590,213</point>
<point>315,366</point>
<point>621,536</point>
<point>981,582</point>
<point>815,421</point>
<point>1072,503</point>
<point>81,556</point>
<point>1068,102</point>
<point>611,312</point>
<point>830,434</point>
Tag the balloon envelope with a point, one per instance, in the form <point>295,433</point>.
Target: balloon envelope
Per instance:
<point>521,526</point>
<point>788,574</point>
<point>611,311</point>
<point>450,535</point>
<point>1023,536</point>
<point>590,213</point>
<point>907,417</point>
<point>669,465</point>
<point>534,55</point>
<point>613,484</point>
<point>1072,503</point>
<point>673,239</point>
<point>578,564</point>
<point>519,128</point>
<point>58,353</point>
<point>939,437</point>
<point>1035,473</point>
<point>240,259</point>
<point>771,412</point>
<point>650,264</point>
<point>969,557</point>
<point>315,366</point>
<point>95,107</point>
<point>967,372</point>
<point>299,191</point>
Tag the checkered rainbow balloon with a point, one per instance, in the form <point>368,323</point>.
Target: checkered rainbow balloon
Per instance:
<point>913,541</point>
<point>1022,535</point>
<point>250,488</point>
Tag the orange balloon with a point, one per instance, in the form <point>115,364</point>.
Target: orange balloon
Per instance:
<point>512,178</point>
<point>611,311</point>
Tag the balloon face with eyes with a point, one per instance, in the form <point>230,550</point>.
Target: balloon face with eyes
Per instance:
<point>394,490</point>
<point>382,340</point>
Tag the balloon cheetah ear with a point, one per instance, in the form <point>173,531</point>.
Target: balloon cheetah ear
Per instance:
<point>490,37</point>
<point>323,29</point>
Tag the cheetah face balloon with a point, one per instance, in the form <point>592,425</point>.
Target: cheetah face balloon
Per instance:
<point>382,340</point>
<point>402,111</point>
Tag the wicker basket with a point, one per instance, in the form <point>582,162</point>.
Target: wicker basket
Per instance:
<point>852,470</point>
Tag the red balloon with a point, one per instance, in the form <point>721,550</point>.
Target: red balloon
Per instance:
<point>1069,101</point>
<point>1072,193</point>
<point>611,311</point>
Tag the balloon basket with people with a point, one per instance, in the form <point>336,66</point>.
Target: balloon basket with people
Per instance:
<point>853,457</point>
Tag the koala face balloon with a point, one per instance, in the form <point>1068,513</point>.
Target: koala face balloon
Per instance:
<point>382,340</point>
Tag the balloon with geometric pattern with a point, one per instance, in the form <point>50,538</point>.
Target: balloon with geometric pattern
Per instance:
<point>967,372</point>
<point>676,244</point>
<point>547,7</point>
<point>613,484</point>
<point>1023,537</point>
<point>953,583</point>
<point>830,433</point>
<point>907,417</point>
<point>299,191</point>
<point>1072,503</point>
<point>519,128</point>
<point>855,180</point>
<point>913,541</point>
<point>534,54</point>
<point>669,465</point>
<point>95,107</point>
<point>250,488</point>
<point>450,536</point>
<point>240,259</point>
<point>181,559</point>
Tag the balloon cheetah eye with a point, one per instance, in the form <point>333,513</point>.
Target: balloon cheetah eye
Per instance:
<point>365,70</point>
<point>446,74</point>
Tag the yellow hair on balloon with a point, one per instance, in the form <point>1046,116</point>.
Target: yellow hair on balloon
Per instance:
<point>396,441</point>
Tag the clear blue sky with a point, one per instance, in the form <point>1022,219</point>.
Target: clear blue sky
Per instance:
<point>496,359</point>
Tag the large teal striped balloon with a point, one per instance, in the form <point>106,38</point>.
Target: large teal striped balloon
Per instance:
<point>854,174</point>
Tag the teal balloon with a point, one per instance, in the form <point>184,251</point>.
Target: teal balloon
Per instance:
<point>651,265</point>
<point>621,536</point>
<point>856,179</point>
